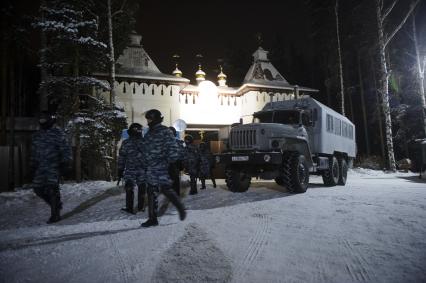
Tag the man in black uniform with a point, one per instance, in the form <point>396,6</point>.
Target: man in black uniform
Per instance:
<point>51,156</point>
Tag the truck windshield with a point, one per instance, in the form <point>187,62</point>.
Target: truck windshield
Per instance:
<point>286,117</point>
<point>263,117</point>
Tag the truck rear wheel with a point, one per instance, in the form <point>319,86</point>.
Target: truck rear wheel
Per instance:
<point>237,181</point>
<point>331,176</point>
<point>343,166</point>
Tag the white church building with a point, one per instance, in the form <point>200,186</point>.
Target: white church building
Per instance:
<point>204,106</point>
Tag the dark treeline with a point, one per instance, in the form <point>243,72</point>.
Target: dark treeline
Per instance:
<point>313,62</point>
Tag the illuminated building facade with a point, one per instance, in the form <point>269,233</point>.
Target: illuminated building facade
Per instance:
<point>205,107</point>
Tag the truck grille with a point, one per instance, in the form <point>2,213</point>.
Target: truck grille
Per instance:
<point>243,139</point>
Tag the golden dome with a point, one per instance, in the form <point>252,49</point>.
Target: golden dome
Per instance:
<point>221,75</point>
<point>200,74</point>
<point>177,72</point>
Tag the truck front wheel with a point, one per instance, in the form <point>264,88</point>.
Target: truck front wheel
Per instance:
<point>295,173</point>
<point>237,181</point>
<point>331,176</point>
<point>299,177</point>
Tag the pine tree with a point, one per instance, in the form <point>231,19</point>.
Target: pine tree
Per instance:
<point>72,53</point>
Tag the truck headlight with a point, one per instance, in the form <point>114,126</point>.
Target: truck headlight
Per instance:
<point>217,159</point>
<point>267,157</point>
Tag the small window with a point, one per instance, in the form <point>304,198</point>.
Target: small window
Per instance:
<point>329,123</point>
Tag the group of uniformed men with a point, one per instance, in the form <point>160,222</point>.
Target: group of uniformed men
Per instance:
<point>151,163</point>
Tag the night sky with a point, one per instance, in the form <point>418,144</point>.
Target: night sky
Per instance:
<point>211,28</point>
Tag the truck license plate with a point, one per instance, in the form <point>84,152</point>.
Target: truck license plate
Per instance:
<point>240,158</point>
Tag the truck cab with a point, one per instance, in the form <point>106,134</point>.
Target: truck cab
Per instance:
<point>287,141</point>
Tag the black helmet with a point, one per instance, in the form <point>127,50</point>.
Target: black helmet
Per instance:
<point>155,116</point>
<point>46,120</point>
<point>135,130</point>
<point>188,139</point>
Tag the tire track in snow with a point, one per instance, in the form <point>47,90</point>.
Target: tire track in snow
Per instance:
<point>121,263</point>
<point>256,244</point>
<point>355,263</point>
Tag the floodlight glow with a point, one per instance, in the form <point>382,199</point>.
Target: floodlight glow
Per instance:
<point>207,88</point>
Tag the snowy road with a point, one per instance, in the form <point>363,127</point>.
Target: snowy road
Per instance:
<point>372,230</point>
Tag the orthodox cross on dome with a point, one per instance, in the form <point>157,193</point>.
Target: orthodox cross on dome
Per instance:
<point>200,75</point>
<point>176,72</point>
<point>259,39</point>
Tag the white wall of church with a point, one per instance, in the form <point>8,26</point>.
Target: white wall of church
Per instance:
<point>199,109</point>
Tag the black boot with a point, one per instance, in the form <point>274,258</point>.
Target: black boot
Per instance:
<point>149,223</point>
<point>193,184</point>
<point>214,182</point>
<point>203,184</point>
<point>152,208</point>
<point>141,197</point>
<point>129,200</point>
<point>55,205</point>
<point>174,199</point>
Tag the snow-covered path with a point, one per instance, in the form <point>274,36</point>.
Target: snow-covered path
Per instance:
<point>372,230</point>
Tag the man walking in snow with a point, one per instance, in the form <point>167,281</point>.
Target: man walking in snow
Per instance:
<point>160,151</point>
<point>176,167</point>
<point>206,165</point>
<point>174,171</point>
<point>191,163</point>
<point>51,156</point>
<point>131,167</point>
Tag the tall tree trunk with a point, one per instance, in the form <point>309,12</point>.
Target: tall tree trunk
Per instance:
<point>112,59</point>
<point>12,129</point>
<point>4,95</point>
<point>383,41</point>
<point>384,88</point>
<point>364,111</point>
<point>43,106</point>
<point>342,94</point>
<point>77,132</point>
<point>421,63</point>
<point>379,111</point>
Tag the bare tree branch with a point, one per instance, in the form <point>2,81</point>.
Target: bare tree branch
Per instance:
<point>123,4</point>
<point>389,10</point>
<point>397,28</point>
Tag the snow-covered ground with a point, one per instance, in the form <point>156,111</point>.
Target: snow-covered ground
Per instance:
<point>371,230</point>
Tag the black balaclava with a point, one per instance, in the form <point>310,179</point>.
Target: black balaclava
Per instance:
<point>203,147</point>
<point>173,131</point>
<point>188,139</point>
<point>155,116</point>
<point>46,120</point>
<point>135,130</point>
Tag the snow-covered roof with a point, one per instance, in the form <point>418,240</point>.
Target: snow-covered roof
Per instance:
<point>262,74</point>
<point>136,63</point>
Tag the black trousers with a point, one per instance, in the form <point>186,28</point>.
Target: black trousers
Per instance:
<point>129,187</point>
<point>52,196</point>
<point>169,193</point>
<point>174,172</point>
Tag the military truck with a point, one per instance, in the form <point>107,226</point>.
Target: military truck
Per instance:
<point>287,141</point>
